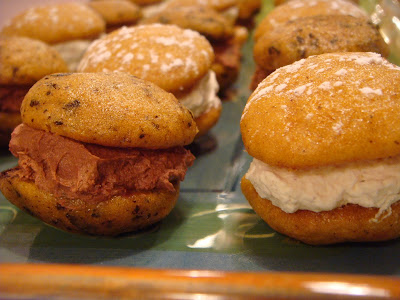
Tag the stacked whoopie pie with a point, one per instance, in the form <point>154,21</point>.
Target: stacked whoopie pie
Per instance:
<point>69,27</point>
<point>326,149</point>
<point>177,60</point>
<point>99,153</point>
<point>218,22</point>
<point>23,61</point>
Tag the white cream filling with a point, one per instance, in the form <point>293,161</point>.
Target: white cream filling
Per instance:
<point>368,184</point>
<point>72,52</point>
<point>203,95</point>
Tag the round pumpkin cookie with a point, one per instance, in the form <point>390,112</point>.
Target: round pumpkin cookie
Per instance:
<point>96,163</point>
<point>324,142</point>
<point>139,113</point>
<point>348,223</point>
<point>314,35</point>
<point>23,61</point>
<point>107,218</point>
<point>117,13</point>
<point>55,23</point>
<point>171,57</point>
<point>294,9</point>
<point>202,19</point>
<point>69,27</point>
<point>178,60</point>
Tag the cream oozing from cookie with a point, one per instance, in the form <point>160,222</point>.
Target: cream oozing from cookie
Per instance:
<point>374,183</point>
<point>203,96</point>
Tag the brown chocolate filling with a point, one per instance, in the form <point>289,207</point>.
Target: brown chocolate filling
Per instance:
<point>75,170</point>
<point>11,97</point>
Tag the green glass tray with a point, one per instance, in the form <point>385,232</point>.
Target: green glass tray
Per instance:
<point>212,226</point>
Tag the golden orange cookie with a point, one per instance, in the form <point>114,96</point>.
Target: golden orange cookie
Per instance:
<point>202,19</point>
<point>131,113</point>
<point>349,223</point>
<point>326,109</point>
<point>55,23</point>
<point>118,215</point>
<point>24,61</point>
<point>294,9</point>
<point>314,35</point>
<point>171,57</point>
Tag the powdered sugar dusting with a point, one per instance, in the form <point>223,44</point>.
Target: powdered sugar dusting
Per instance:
<point>151,50</point>
<point>368,90</point>
<point>326,85</point>
<point>280,87</point>
<point>127,58</point>
<point>337,127</point>
<point>341,72</point>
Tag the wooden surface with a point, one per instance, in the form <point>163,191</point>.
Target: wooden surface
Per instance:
<point>27,281</point>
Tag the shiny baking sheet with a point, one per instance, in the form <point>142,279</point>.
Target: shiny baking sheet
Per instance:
<point>212,226</point>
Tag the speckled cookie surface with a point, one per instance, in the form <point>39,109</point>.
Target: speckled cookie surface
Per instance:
<point>322,110</point>
<point>202,19</point>
<point>25,61</point>
<point>117,12</point>
<point>314,35</point>
<point>56,23</point>
<point>299,8</point>
<point>109,109</point>
<point>171,57</point>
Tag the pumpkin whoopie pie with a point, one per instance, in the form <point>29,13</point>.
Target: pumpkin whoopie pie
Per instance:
<point>326,149</point>
<point>68,27</point>
<point>23,61</point>
<point>99,153</point>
